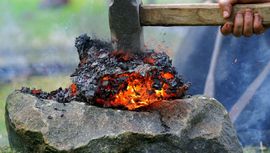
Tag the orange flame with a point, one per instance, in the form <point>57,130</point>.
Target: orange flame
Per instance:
<point>73,89</point>
<point>167,75</point>
<point>35,91</point>
<point>149,60</point>
<point>122,55</point>
<point>138,91</point>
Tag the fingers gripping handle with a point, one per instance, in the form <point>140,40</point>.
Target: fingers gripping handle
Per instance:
<point>127,17</point>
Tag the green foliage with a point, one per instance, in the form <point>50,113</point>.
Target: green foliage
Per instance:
<point>78,16</point>
<point>40,22</point>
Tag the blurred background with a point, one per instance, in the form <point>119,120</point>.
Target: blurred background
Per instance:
<point>37,42</point>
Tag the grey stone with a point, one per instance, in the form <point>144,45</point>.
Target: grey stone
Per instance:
<point>194,125</point>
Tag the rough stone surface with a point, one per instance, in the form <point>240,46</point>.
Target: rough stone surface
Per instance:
<point>194,125</point>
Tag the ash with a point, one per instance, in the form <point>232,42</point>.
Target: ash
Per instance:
<point>98,60</point>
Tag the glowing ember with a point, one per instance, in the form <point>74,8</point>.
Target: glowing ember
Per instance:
<point>118,79</point>
<point>167,76</point>
<point>135,91</point>
<point>73,89</point>
<point>149,60</point>
<point>35,91</point>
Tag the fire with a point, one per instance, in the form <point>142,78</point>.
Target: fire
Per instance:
<point>73,89</point>
<point>135,91</point>
<point>35,91</point>
<point>122,55</point>
<point>167,75</point>
<point>149,60</point>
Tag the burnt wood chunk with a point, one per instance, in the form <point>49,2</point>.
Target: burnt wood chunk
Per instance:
<point>126,30</point>
<point>118,79</point>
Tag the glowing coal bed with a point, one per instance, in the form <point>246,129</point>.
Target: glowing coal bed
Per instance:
<point>118,79</point>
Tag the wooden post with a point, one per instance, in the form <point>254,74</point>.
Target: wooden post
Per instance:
<point>125,26</point>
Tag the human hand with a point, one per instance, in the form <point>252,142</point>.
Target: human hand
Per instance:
<point>246,22</point>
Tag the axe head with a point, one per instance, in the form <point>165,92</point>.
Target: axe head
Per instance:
<point>125,26</point>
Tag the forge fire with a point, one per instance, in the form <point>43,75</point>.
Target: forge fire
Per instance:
<point>118,79</point>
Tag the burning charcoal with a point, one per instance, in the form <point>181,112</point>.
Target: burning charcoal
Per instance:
<point>151,92</point>
<point>36,92</point>
<point>174,83</point>
<point>119,79</point>
<point>90,93</point>
<point>44,95</point>
<point>83,43</point>
<point>122,79</point>
<point>105,55</point>
<point>94,64</point>
<point>26,90</point>
<point>123,66</point>
<point>105,83</point>
<point>157,84</point>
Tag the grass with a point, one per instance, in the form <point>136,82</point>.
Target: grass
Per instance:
<point>46,83</point>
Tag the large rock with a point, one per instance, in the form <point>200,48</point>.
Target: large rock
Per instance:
<point>195,125</point>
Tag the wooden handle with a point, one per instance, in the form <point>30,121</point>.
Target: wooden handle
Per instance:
<point>194,14</point>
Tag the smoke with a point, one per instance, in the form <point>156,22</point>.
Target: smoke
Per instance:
<point>243,80</point>
<point>253,122</point>
<point>240,62</point>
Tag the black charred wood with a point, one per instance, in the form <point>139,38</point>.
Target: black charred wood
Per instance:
<point>102,73</point>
